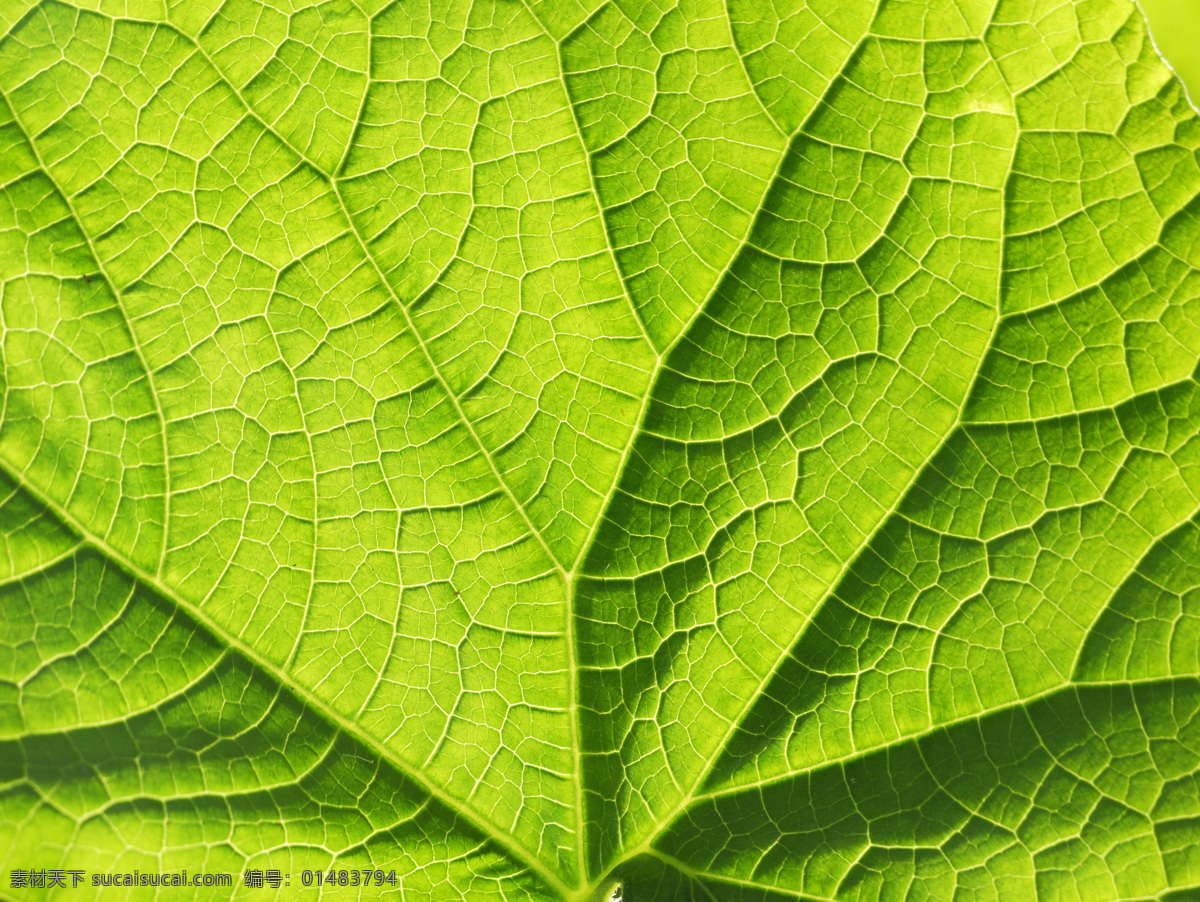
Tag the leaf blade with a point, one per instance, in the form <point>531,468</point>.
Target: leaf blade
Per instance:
<point>859,341</point>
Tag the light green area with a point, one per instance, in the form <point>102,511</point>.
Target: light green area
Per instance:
<point>741,451</point>
<point>1175,25</point>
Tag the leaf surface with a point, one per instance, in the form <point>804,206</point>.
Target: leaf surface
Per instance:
<point>735,450</point>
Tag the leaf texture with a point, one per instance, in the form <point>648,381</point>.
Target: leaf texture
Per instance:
<point>733,449</point>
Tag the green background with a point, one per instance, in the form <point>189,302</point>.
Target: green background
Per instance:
<point>1175,25</point>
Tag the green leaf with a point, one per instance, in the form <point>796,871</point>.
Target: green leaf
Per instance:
<point>738,450</point>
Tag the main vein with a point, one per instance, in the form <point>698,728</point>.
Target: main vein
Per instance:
<point>497,833</point>
<point>501,837</point>
<point>693,792</point>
